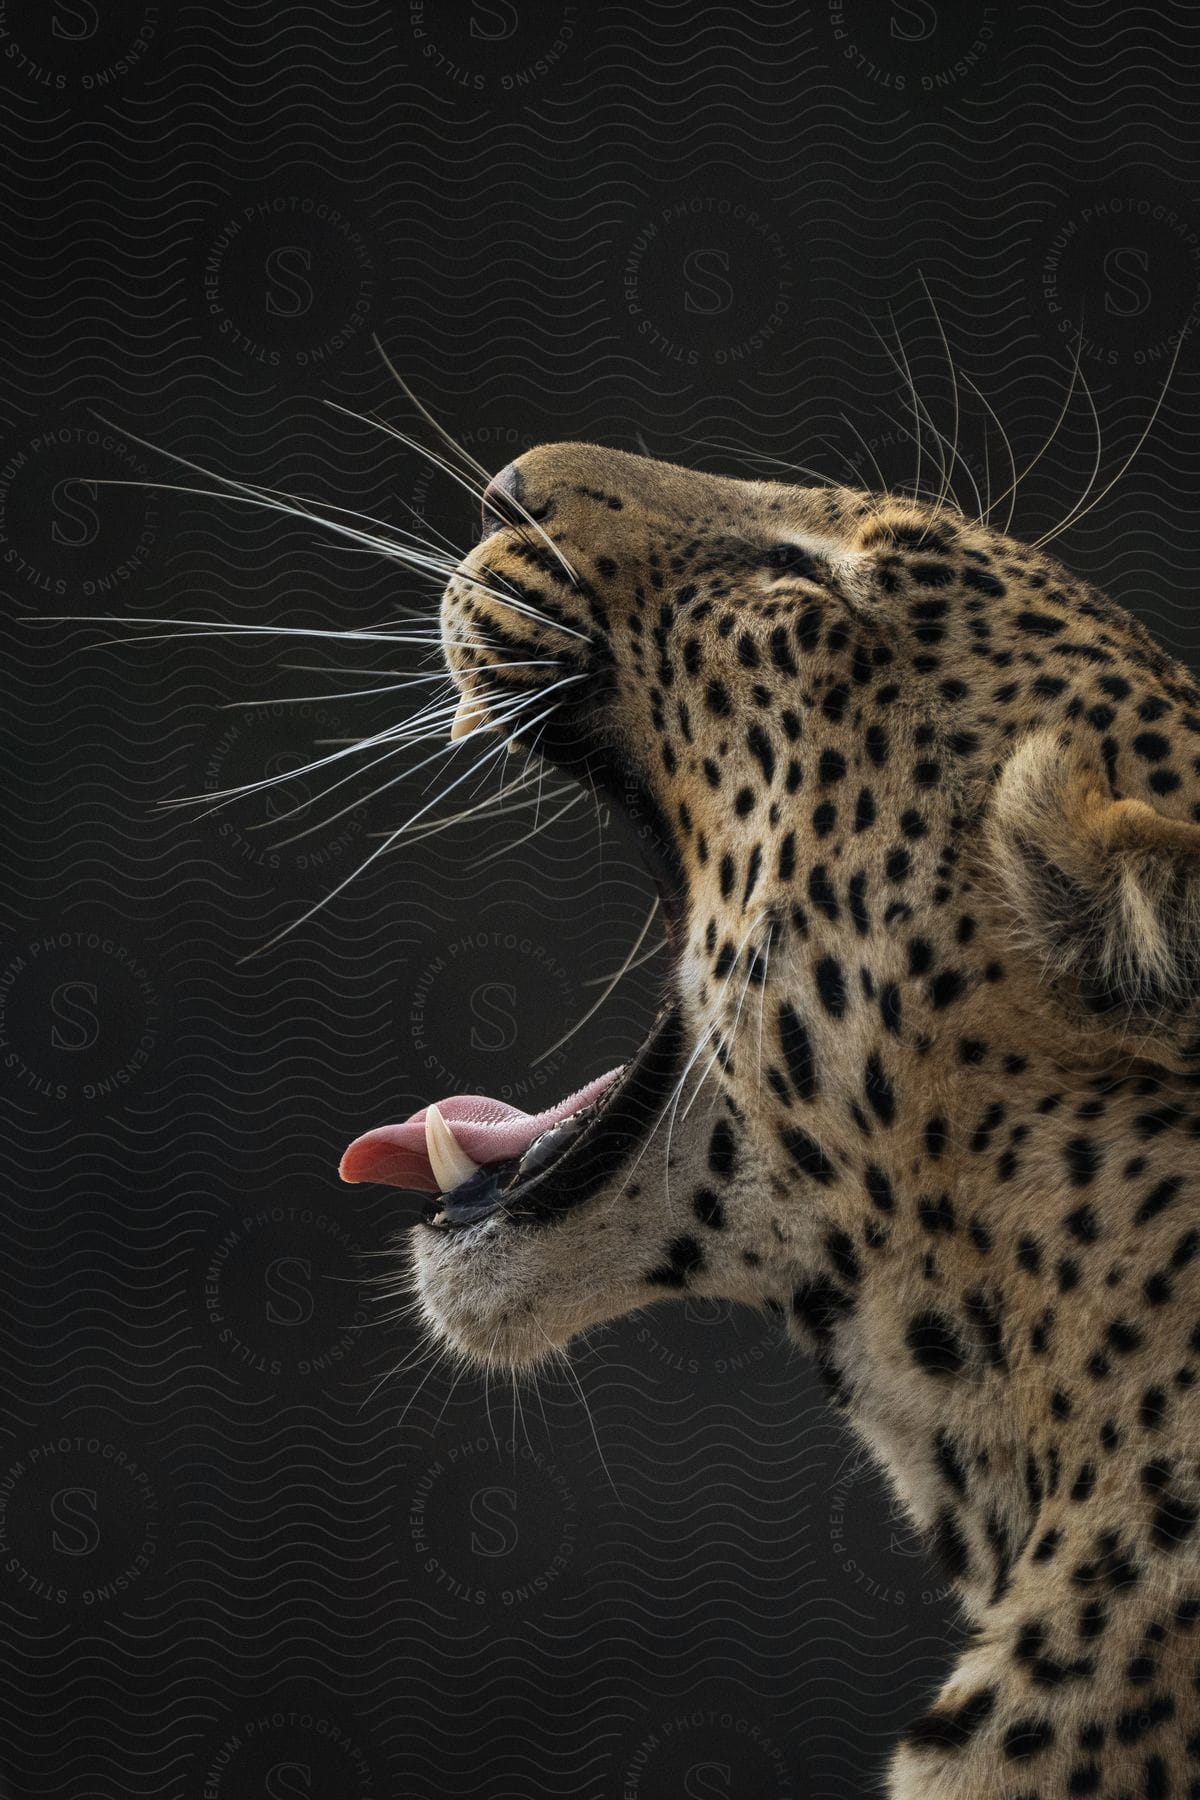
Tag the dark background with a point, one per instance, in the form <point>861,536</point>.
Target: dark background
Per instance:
<point>252,1542</point>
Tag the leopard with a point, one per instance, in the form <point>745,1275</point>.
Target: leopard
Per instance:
<point>922,809</point>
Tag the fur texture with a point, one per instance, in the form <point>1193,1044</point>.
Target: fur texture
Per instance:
<point>931,810</point>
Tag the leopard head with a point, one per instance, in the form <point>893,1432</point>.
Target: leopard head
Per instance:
<point>917,802</point>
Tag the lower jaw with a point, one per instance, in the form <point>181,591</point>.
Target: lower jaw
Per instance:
<point>593,1157</point>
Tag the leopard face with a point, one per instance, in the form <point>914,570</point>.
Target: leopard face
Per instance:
<point>922,810</point>
<point>887,764</point>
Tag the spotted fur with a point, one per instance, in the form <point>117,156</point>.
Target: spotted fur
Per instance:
<point>929,808</point>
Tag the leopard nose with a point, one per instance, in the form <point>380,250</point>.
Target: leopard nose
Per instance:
<point>502,502</point>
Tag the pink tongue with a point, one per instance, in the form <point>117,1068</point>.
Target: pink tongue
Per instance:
<point>490,1131</point>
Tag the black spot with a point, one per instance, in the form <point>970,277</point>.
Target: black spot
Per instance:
<point>808,628</point>
<point>808,1155</point>
<point>781,654</point>
<point>835,702</point>
<point>876,742</point>
<point>1124,1337</point>
<point>798,1052</point>
<point>920,956</point>
<point>1173,1518</point>
<point>936,1216</point>
<point>722,1150</point>
<point>1026,1738</point>
<point>857,902</point>
<point>1039,624</point>
<point>819,1305</point>
<point>985,1314</point>
<point>1084,1158</point>
<point>1047,1546</point>
<point>952,1728</point>
<point>935,1344</point>
<point>759,746</point>
<point>822,893</point>
<point>1084,1482</point>
<point>708,1209</point>
<point>831,986</point>
<point>1083,1224</point>
<point>685,1257</point>
<point>864,810</point>
<point>951,1464</point>
<point>945,988</point>
<point>879,1188</point>
<point>1029,1254</point>
<point>881,1095</point>
<point>831,767</point>
<point>982,1136</point>
<point>1158,1199</point>
<point>839,1247</point>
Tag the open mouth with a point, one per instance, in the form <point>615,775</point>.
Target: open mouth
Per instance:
<point>480,1158</point>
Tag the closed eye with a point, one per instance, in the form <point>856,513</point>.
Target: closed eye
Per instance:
<point>790,559</point>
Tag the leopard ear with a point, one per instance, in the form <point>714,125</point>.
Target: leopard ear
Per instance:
<point>1104,894</point>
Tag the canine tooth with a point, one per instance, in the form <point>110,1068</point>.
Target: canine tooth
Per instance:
<point>450,1163</point>
<point>468,715</point>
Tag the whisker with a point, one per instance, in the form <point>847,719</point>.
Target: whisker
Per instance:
<point>499,716</point>
<point>472,461</point>
<point>393,838</point>
<point>272,500</point>
<point>440,463</point>
<point>954,428</point>
<point>1079,509</point>
<point>612,984</point>
<point>1076,374</point>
